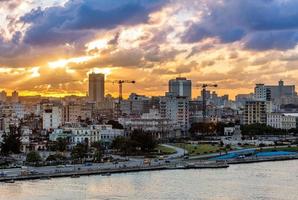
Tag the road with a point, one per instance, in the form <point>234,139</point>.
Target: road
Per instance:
<point>11,172</point>
<point>179,152</point>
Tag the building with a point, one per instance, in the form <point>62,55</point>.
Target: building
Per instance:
<point>96,90</point>
<point>242,98</point>
<point>73,112</point>
<point>255,112</point>
<point>151,122</point>
<point>180,87</point>
<point>135,105</point>
<point>262,92</point>
<point>176,108</point>
<point>87,134</point>
<point>281,121</point>
<point>3,96</point>
<point>15,97</point>
<point>51,116</point>
<point>275,91</point>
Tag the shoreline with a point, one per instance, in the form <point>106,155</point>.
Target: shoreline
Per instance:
<point>173,166</point>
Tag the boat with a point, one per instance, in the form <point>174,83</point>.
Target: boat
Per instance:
<point>106,174</point>
<point>9,181</point>
<point>75,176</point>
<point>45,178</point>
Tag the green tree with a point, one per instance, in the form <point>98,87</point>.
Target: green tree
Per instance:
<point>33,157</point>
<point>204,128</point>
<point>144,140</point>
<point>98,150</point>
<point>79,151</point>
<point>11,141</point>
<point>61,144</point>
<point>115,124</point>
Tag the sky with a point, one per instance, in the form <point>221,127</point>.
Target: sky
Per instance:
<point>49,47</point>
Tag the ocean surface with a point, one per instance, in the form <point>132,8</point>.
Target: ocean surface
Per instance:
<point>264,181</point>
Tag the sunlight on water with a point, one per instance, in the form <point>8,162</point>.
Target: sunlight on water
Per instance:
<point>264,181</point>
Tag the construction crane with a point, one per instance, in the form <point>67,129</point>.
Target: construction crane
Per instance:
<point>204,88</point>
<point>120,83</point>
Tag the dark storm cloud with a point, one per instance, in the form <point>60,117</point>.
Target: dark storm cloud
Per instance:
<point>68,23</point>
<point>262,24</point>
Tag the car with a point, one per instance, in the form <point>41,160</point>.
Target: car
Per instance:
<point>2,174</point>
<point>33,172</point>
<point>167,161</point>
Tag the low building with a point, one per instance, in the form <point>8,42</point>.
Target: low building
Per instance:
<point>86,134</point>
<point>151,122</point>
<point>281,121</point>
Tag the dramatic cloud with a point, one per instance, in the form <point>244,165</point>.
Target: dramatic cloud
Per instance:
<point>77,19</point>
<point>48,47</point>
<point>261,24</point>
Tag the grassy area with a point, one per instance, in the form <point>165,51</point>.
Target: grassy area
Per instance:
<point>165,150</point>
<point>281,149</point>
<point>199,149</point>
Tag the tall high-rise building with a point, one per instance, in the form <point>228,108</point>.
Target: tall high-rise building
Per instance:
<point>96,87</point>
<point>180,87</point>
<point>176,108</point>
<point>15,97</point>
<point>262,92</point>
<point>3,96</point>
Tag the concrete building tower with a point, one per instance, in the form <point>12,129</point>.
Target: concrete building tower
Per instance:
<point>180,87</point>
<point>96,90</point>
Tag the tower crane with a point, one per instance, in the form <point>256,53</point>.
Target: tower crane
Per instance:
<point>120,84</point>
<point>204,88</point>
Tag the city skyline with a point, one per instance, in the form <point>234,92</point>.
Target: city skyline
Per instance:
<point>47,51</point>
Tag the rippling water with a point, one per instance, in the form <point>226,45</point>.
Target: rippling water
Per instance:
<point>264,181</point>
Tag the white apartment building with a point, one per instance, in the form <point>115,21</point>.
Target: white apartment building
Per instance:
<point>51,116</point>
<point>18,110</point>
<point>88,134</point>
<point>151,122</point>
<point>281,121</point>
<point>176,109</point>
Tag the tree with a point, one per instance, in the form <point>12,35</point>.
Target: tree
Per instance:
<point>261,129</point>
<point>99,149</point>
<point>56,157</point>
<point>144,140</point>
<point>11,141</point>
<point>115,124</point>
<point>61,144</point>
<point>204,128</point>
<point>79,151</point>
<point>33,157</point>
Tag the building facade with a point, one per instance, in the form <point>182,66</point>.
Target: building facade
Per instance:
<point>281,121</point>
<point>96,90</point>
<point>180,87</point>
<point>176,108</point>
<point>255,112</point>
<point>51,116</point>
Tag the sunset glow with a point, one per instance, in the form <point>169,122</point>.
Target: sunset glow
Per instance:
<point>152,43</point>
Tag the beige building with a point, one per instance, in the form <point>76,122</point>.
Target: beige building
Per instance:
<point>74,112</point>
<point>255,112</point>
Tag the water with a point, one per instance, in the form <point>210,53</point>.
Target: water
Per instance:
<point>262,181</point>
<point>260,154</point>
